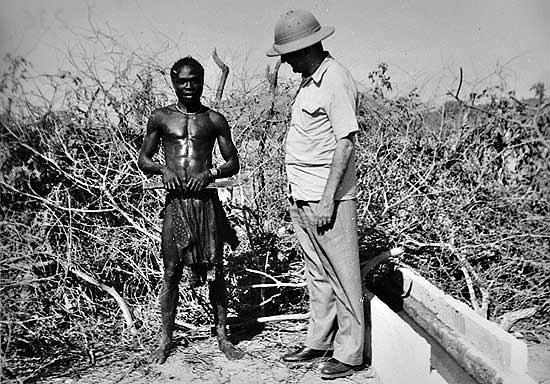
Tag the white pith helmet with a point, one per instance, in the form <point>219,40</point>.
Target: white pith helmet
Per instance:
<point>296,30</point>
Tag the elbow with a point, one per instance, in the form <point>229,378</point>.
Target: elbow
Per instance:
<point>349,142</point>
<point>141,163</point>
<point>346,146</point>
<point>236,166</point>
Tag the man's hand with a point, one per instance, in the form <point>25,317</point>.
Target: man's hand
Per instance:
<point>199,182</point>
<point>325,210</point>
<point>170,179</point>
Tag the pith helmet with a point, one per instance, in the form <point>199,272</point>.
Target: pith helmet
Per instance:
<point>296,30</point>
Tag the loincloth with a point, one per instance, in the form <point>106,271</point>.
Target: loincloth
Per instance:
<point>197,227</point>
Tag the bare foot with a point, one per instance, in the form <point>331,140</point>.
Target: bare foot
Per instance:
<point>230,351</point>
<point>161,353</point>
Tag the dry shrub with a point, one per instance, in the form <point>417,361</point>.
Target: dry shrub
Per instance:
<point>76,222</point>
<point>465,190</point>
<point>72,203</point>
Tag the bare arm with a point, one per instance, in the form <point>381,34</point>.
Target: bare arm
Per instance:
<point>341,111</point>
<point>340,161</point>
<point>227,149</point>
<point>149,148</point>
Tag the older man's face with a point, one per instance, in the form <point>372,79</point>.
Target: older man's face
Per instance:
<point>296,60</point>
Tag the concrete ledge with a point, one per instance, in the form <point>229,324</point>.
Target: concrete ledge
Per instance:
<point>399,354</point>
<point>486,351</point>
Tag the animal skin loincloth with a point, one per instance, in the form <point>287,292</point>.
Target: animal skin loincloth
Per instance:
<point>198,227</point>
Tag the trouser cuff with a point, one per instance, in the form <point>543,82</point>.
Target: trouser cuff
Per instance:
<point>319,346</point>
<point>350,360</point>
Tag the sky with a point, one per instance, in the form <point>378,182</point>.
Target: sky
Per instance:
<point>424,42</point>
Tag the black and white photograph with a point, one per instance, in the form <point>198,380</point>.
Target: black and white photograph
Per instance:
<point>297,192</point>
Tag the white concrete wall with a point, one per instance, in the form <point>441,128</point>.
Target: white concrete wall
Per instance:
<point>399,354</point>
<point>484,349</point>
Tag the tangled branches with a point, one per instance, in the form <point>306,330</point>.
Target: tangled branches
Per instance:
<point>81,238</point>
<point>464,188</point>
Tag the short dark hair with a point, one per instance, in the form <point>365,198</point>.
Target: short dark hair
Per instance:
<point>186,61</point>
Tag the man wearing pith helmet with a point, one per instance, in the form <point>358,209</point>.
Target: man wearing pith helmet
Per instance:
<point>320,165</point>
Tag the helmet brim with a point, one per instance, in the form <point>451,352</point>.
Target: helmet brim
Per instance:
<point>296,45</point>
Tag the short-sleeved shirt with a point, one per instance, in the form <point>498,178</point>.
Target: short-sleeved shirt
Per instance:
<point>323,111</point>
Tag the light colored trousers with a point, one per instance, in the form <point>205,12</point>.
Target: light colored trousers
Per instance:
<point>333,280</point>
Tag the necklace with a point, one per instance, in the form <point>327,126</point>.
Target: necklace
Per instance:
<point>187,113</point>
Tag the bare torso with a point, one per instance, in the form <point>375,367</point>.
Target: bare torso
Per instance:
<point>188,141</point>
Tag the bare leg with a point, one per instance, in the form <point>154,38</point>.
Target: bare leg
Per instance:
<point>168,307</point>
<point>218,300</point>
<point>173,270</point>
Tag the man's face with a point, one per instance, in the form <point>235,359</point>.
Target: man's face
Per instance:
<point>296,60</point>
<point>188,84</point>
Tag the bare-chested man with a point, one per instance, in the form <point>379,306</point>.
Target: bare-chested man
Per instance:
<point>195,225</point>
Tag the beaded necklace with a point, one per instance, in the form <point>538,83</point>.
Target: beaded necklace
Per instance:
<point>192,114</point>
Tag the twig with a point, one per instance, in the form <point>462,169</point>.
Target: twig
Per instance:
<point>493,114</point>
<point>299,316</point>
<point>465,268</point>
<point>274,285</point>
<point>181,324</point>
<point>271,298</point>
<point>272,76</point>
<point>51,203</point>
<point>459,85</point>
<point>469,273</point>
<point>132,222</point>
<point>263,274</point>
<point>508,320</point>
<point>111,291</point>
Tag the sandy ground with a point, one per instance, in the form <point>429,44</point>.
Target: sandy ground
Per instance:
<point>200,361</point>
<point>539,362</point>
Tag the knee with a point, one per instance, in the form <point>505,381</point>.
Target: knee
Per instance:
<point>172,274</point>
<point>217,281</point>
<point>216,291</point>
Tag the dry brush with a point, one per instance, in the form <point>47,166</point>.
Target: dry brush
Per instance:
<point>463,188</point>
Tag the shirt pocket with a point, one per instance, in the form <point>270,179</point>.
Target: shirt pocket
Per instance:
<point>313,116</point>
<point>312,109</point>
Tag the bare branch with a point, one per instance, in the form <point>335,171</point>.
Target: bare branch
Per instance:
<point>459,85</point>
<point>223,77</point>
<point>508,320</point>
<point>273,76</point>
<point>110,290</point>
<point>299,316</point>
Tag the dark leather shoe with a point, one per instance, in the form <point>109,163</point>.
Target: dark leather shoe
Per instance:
<point>334,369</point>
<point>305,354</point>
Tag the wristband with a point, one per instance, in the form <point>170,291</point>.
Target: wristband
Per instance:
<point>215,172</point>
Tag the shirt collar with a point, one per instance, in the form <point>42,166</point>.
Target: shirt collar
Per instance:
<point>317,76</point>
